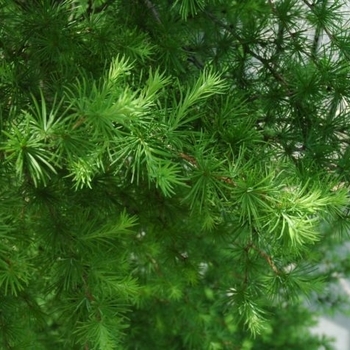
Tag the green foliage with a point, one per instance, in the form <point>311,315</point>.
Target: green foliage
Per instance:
<point>173,175</point>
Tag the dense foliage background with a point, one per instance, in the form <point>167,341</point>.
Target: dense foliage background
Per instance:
<point>174,174</point>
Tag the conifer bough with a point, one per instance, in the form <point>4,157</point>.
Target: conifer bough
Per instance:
<point>174,174</point>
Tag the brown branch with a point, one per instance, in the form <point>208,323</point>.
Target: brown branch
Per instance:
<point>153,10</point>
<point>87,290</point>
<point>189,159</point>
<point>155,265</point>
<point>292,35</point>
<point>265,62</point>
<point>79,122</point>
<point>327,31</point>
<point>102,7</point>
<point>267,258</point>
<point>194,163</point>
<point>226,179</point>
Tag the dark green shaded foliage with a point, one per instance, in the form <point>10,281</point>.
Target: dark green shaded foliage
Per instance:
<point>174,174</point>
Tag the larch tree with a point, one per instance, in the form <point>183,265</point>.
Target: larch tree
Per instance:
<point>174,174</point>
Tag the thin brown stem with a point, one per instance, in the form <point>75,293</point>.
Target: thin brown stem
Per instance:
<point>153,10</point>
<point>267,258</point>
<point>190,159</point>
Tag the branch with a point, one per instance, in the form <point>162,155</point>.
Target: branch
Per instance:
<point>191,57</point>
<point>327,31</point>
<point>292,35</point>
<point>264,61</point>
<point>189,159</point>
<point>267,258</point>
<point>155,265</point>
<point>102,7</point>
<point>153,10</point>
<point>194,163</point>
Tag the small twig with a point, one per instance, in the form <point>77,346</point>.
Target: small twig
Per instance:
<point>327,31</point>
<point>103,6</point>
<point>155,265</point>
<point>265,62</point>
<point>194,163</point>
<point>153,9</point>
<point>267,258</point>
<point>89,9</point>
<point>189,159</point>
<point>79,122</point>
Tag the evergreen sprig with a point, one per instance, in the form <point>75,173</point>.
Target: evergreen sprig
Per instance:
<point>172,175</point>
